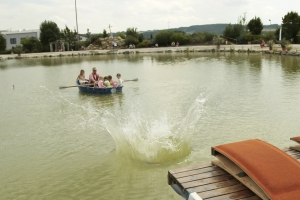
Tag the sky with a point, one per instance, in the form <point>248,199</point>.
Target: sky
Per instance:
<point>97,15</point>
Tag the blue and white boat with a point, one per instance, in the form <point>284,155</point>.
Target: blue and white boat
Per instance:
<point>93,90</point>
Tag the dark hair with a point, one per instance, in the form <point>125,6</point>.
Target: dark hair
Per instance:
<point>105,77</point>
<point>109,77</point>
<point>118,74</point>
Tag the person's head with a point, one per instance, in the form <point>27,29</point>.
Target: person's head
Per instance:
<point>82,72</point>
<point>94,70</point>
<point>109,77</point>
<point>118,75</point>
<point>105,78</point>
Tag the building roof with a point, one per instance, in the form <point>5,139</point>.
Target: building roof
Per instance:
<point>8,32</point>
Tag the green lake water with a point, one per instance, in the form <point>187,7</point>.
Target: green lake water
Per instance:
<point>62,144</point>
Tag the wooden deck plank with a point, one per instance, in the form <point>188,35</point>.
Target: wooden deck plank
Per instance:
<point>221,191</point>
<point>189,168</point>
<point>255,197</point>
<point>213,183</point>
<point>205,181</point>
<point>214,186</point>
<point>202,176</point>
<point>196,171</point>
<point>244,194</point>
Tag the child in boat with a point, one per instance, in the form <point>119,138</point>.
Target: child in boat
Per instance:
<point>119,82</point>
<point>100,83</point>
<point>81,78</point>
<point>112,83</point>
<point>106,82</point>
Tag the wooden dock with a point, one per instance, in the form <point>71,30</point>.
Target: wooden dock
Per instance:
<point>213,183</point>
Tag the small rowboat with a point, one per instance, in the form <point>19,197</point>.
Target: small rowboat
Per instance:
<point>93,90</point>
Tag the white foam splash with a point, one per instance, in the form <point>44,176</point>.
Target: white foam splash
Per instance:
<point>155,140</point>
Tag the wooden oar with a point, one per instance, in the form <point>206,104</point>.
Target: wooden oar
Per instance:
<point>64,87</point>
<point>136,79</point>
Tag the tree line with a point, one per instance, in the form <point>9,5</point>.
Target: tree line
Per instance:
<point>241,32</point>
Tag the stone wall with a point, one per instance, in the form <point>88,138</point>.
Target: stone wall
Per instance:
<point>106,43</point>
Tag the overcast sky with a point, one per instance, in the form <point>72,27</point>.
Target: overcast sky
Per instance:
<point>142,14</point>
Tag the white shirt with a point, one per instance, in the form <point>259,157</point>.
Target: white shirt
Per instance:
<point>119,82</point>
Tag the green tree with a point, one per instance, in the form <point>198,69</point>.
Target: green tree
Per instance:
<point>131,40</point>
<point>104,34</point>
<point>31,44</point>
<point>49,32</point>
<point>163,38</point>
<point>121,35</point>
<point>2,43</point>
<point>255,26</point>
<point>140,37</point>
<point>151,37</point>
<point>132,32</point>
<point>180,37</point>
<point>291,26</point>
<point>69,36</point>
<point>235,32</point>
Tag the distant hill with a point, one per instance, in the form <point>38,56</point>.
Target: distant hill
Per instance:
<point>211,28</point>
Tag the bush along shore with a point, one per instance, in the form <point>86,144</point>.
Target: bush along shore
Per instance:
<point>294,50</point>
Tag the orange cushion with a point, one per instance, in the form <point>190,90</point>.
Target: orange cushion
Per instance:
<point>274,171</point>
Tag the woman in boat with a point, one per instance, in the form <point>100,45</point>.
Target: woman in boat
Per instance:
<point>81,78</point>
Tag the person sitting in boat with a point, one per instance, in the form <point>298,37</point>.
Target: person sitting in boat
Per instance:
<point>94,76</point>
<point>81,78</point>
<point>106,82</point>
<point>119,82</point>
<point>100,83</point>
<point>112,83</point>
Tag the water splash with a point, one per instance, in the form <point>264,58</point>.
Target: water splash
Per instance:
<point>154,140</point>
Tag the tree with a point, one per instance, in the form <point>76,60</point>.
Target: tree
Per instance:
<point>69,36</point>
<point>132,32</point>
<point>121,35</point>
<point>104,34</point>
<point>255,26</point>
<point>49,32</point>
<point>140,37</point>
<point>180,37</point>
<point>131,40</point>
<point>291,26</point>
<point>151,37</point>
<point>163,38</point>
<point>31,44</point>
<point>2,43</point>
<point>235,32</point>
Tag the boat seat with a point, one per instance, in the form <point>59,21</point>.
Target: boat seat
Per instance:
<point>296,139</point>
<point>263,168</point>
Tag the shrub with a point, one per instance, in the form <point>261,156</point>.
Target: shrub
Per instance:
<point>180,37</point>
<point>131,40</point>
<point>97,42</point>
<point>145,43</point>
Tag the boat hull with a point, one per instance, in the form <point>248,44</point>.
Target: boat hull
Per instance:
<point>92,90</point>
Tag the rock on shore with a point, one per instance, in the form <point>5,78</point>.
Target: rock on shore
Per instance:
<point>106,43</point>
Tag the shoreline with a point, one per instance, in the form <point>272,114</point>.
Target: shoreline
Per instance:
<point>246,48</point>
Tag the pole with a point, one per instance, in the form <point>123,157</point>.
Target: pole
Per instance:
<point>280,32</point>
<point>76,21</point>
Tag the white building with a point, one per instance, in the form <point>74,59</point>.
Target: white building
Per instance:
<point>13,38</point>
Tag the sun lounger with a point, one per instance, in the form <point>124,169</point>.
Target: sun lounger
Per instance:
<point>270,173</point>
<point>263,168</point>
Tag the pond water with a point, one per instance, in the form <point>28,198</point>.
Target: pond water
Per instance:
<point>62,144</point>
